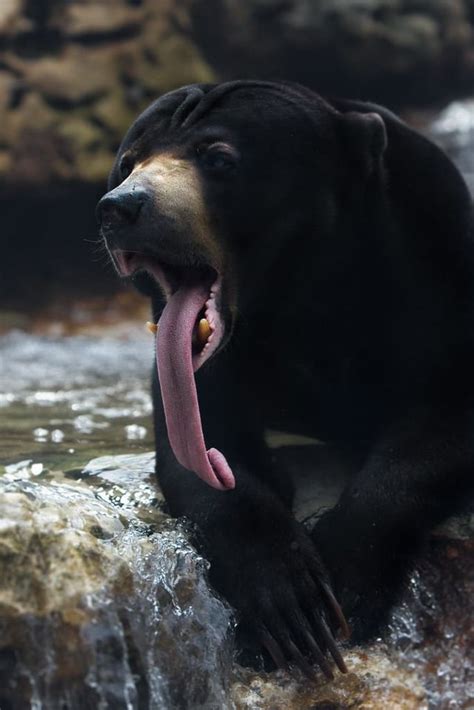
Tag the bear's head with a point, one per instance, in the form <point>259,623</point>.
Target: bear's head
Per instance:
<point>213,181</point>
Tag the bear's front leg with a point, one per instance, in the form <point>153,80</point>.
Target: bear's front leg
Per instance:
<point>262,560</point>
<point>416,475</point>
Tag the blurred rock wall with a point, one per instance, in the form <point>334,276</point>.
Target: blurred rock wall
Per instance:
<point>74,74</point>
<point>398,52</point>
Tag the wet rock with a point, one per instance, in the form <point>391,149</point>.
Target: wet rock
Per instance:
<point>374,680</point>
<point>431,628</point>
<point>100,607</point>
<point>103,602</point>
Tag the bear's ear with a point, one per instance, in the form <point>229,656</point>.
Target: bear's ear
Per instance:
<point>365,138</point>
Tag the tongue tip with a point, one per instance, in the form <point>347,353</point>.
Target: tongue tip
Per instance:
<point>222,471</point>
<point>228,485</point>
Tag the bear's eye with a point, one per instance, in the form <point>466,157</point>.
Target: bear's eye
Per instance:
<point>125,166</point>
<point>218,158</point>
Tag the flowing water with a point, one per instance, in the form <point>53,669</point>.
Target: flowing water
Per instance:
<point>130,607</point>
<point>65,399</point>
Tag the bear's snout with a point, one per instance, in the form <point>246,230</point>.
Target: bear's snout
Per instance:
<point>121,207</point>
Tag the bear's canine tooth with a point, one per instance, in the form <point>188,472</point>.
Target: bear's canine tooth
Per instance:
<point>204,331</point>
<point>152,327</point>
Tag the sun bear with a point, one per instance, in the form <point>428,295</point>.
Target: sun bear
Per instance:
<point>311,267</point>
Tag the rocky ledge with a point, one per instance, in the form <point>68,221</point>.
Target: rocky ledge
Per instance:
<point>104,603</point>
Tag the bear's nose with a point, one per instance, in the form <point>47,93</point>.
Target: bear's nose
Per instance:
<point>121,205</point>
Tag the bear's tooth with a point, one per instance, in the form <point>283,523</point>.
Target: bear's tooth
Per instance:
<point>204,331</point>
<point>152,327</point>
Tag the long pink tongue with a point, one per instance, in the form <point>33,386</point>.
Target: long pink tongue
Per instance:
<point>178,389</point>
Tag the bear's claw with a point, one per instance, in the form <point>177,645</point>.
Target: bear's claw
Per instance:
<point>296,617</point>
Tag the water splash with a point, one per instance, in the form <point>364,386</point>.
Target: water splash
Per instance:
<point>431,628</point>
<point>453,129</point>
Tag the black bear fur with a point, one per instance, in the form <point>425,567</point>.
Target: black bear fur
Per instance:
<point>349,237</point>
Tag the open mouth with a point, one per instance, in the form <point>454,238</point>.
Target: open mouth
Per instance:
<point>202,281</point>
<point>189,331</point>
